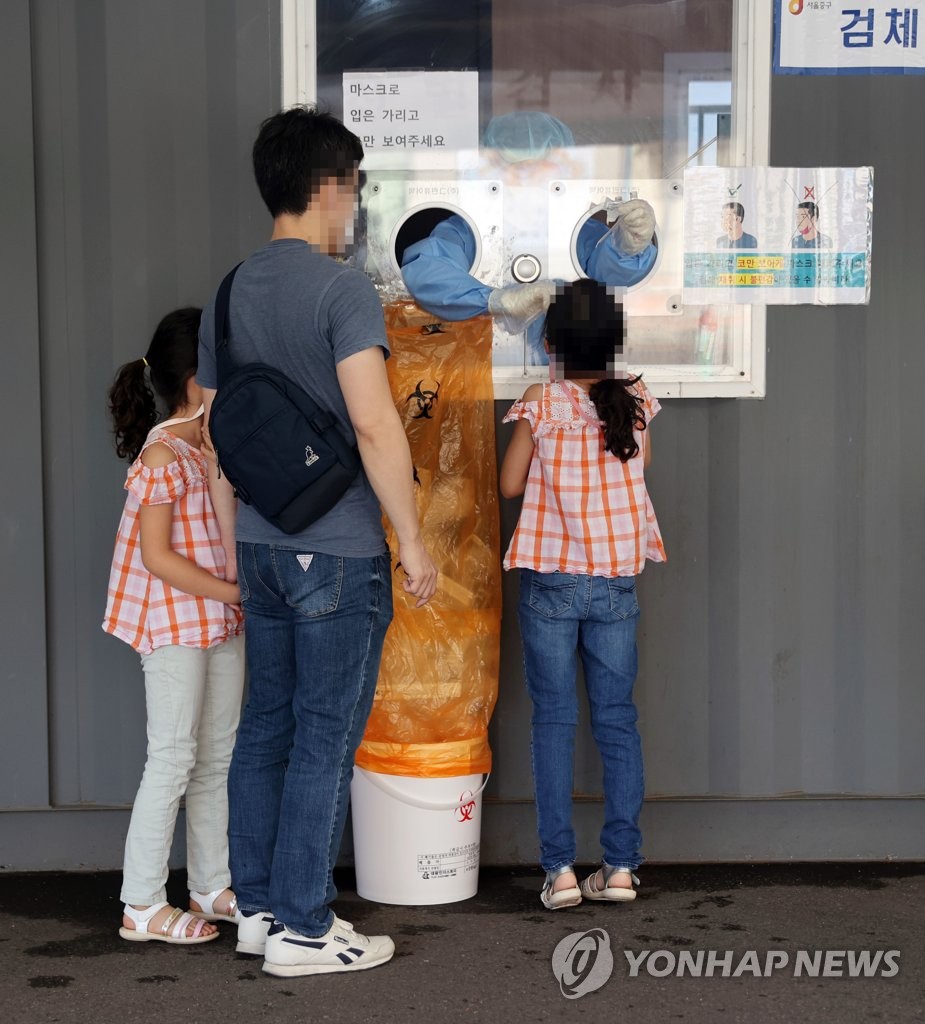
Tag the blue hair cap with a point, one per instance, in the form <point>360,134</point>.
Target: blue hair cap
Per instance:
<point>526,135</point>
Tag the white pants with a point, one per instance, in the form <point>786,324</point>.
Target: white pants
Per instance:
<point>193,700</point>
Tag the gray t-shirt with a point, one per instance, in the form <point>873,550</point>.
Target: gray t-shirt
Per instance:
<point>302,313</point>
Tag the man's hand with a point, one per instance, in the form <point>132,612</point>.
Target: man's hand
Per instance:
<point>420,572</point>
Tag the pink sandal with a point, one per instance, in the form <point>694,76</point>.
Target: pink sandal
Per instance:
<point>173,930</point>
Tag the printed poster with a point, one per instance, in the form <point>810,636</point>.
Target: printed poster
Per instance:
<point>828,37</point>
<point>777,235</point>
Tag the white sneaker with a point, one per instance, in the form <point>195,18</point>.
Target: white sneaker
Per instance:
<point>289,954</point>
<point>252,932</point>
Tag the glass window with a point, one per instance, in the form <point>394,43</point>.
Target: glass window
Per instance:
<point>575,108</point>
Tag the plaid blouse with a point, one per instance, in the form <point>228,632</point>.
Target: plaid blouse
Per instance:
<point>142,609</point>
<point>584,511</point>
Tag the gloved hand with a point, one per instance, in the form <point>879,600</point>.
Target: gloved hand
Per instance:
<point>516,306</point>
<point>634,227</point>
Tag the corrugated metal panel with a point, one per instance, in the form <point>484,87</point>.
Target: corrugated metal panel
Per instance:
<point>23,681</point>
<point>145,114</point>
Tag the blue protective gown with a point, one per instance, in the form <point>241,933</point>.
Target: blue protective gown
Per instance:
<point>436,269</point>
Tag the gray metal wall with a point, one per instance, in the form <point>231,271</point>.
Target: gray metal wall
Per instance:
<point>781,685</point>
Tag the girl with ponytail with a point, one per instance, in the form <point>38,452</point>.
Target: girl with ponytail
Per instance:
<point>586,528</point>
<point>173,599</point>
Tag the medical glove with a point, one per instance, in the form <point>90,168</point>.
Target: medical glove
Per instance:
<point>634,227</point>
<point>516,306</point>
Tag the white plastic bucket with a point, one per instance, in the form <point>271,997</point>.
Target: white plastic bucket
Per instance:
<point>416,841</point>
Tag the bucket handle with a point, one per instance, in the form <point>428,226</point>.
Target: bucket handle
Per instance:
<point>377,779</point>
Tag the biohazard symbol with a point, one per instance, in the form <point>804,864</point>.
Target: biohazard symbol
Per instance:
<point>426,401</point>
<point>809,191</point>
<point>464,810</point>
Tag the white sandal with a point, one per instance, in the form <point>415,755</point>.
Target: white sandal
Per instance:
<point>207,911</point>
<point>613,893</point>
<point>570,897</point>
<point>173,930</point>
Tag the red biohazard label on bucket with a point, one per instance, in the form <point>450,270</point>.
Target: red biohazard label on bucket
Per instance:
<point>466,806</point>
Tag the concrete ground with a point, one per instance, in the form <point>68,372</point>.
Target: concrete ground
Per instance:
<point>492,959</point>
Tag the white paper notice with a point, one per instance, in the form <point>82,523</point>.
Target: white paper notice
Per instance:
<point>421,111</point>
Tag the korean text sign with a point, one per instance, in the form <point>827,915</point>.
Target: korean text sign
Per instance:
<point>849,37</point>
<point>435,111</point>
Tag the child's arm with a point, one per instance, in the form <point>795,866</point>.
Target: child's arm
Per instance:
<point>221,492</point>
<point>159,558</point>
<point>519,454</point>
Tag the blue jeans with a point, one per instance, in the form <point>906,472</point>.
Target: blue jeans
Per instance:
<point>593,617</point>
<point>314,633</point>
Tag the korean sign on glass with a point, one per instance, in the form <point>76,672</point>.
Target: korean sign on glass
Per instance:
<point>395,111</point>
<point>777,235</point>
<point>849,37</point>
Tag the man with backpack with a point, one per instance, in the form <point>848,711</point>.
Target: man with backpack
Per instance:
<point>317,600</point>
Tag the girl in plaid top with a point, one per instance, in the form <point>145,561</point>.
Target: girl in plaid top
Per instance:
<point>174,600</point>
<point>585,531</point>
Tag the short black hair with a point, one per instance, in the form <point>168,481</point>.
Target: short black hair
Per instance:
<point>813,209</point>
<point>297,150</point>
<point>739,209</point>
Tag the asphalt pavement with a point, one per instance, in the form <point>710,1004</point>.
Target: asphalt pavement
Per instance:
<point>757,944</point>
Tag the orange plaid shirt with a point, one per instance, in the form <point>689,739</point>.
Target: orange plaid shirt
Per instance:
<point>142,609</point>
<point>584,511</point>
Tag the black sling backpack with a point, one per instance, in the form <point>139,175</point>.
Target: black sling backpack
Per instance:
<point>282,453</point>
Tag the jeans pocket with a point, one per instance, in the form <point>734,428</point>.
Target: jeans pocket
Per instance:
<point>310,583</point>
<point>623,600</point>
<point>552,593</point>
<point>243,585</point>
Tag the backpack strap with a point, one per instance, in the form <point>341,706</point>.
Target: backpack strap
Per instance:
<point>223,364</point>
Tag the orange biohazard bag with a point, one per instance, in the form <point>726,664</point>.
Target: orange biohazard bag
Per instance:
<point>438,682</point>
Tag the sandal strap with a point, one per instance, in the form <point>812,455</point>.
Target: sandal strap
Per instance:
<point>142,918</point>
<point>608,872</point>
<point>549,886</point>
<point>206,901</point>
<point>178,923</point>
<point>172,917</point>
<point>566,869</point>
<point>591,883</point>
